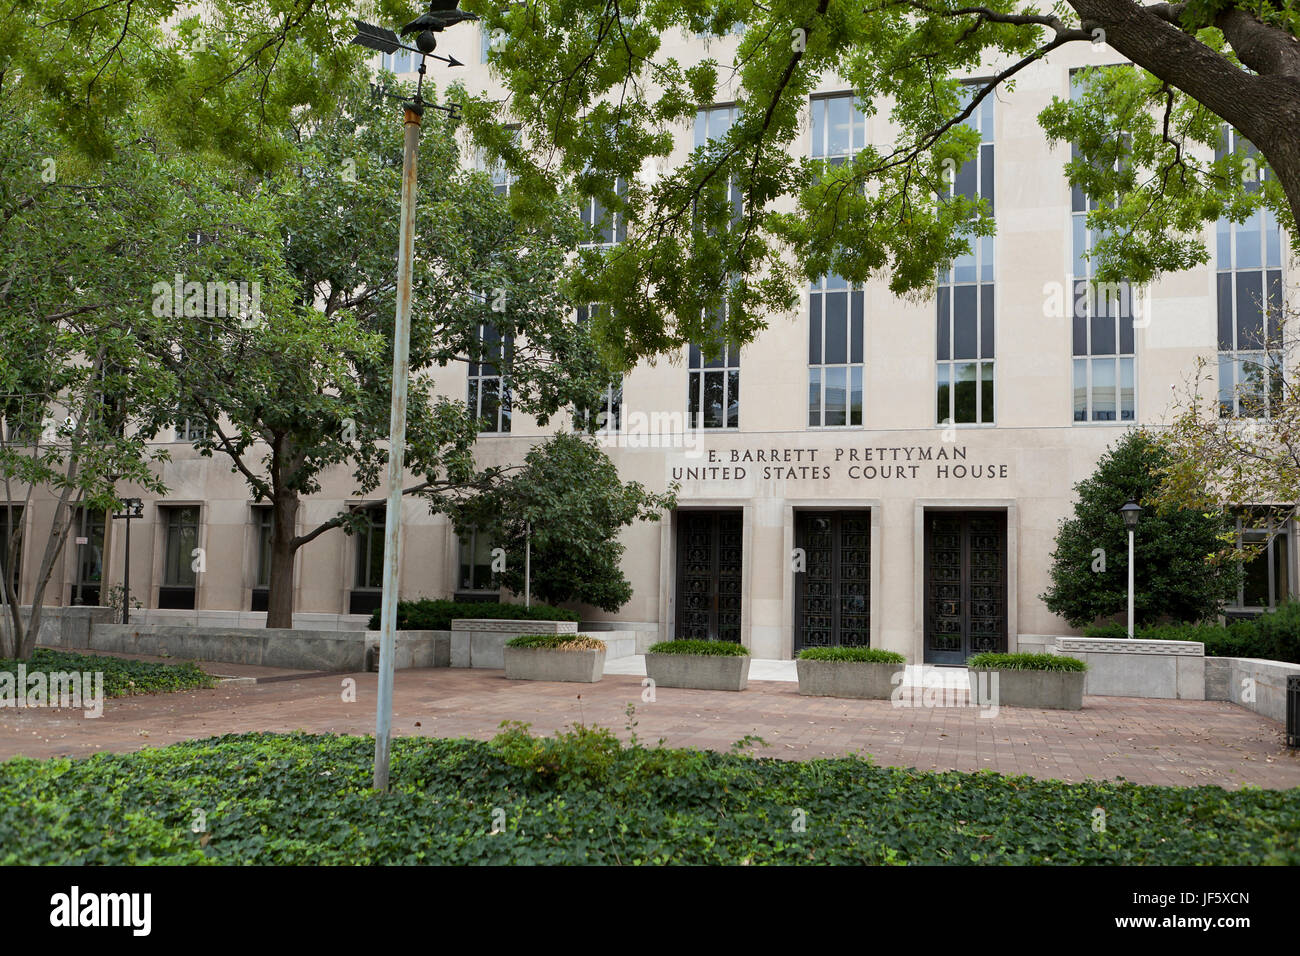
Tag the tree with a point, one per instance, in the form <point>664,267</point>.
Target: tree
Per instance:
<point>599,101</point>
<point>1218,461</point>
<point>78,392</point>
<point>570,495</point>
<point>304,386</point>
<point>1173,576</point>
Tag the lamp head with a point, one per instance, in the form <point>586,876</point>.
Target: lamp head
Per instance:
<point>1131,511</point>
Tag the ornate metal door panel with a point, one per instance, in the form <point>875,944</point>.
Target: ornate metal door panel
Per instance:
<point>709,565</point>
<point>965,584</point>
<point>833,592</point>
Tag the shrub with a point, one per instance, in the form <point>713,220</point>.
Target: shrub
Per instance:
<point>1271,636</point>
<point>1279,632</point>
<point>863,655</point>
<point>123,677</point>
<point>431,615</point>
<point>1173,579</point>
<point>1025,662</point>
<point>557,642</point>
<point>711,648</point>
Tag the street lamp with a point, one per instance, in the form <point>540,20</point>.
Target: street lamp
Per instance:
<point>441,14</point>
<point>1130,513</point>
<point>132,508</point>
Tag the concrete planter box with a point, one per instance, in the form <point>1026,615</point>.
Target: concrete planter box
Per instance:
<point>698,671</point>
<point>860,679</point>
<point>1046,690</point>
<point>548,663</point>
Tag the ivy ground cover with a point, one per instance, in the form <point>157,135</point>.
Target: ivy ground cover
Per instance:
<point>584,797</point>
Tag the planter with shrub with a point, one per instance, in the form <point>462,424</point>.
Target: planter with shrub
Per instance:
<point>1272,635</point>
<point>861,672</point>
<point>1049,681</point>
<point>555,657</point>
<point>698,665</point>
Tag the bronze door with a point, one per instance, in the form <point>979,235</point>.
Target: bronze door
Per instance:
<point>833,590</point>
<point>709,565</point>
<point>965,584</point>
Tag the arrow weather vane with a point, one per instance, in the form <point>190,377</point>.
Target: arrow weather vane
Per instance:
<point>440,15</point>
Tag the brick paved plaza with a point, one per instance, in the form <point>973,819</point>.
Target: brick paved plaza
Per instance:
<point>1145,741</point>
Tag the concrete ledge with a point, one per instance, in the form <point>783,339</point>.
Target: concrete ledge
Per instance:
<point>1258,685</point>
<point>1050,690</point>
<point>296,648</point>
<point>1118,667</point>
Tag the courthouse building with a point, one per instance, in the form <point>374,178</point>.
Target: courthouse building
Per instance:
<point>868,470</point>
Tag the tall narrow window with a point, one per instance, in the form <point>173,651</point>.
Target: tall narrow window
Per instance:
<point>502,178</point>
<point>965,337</point>
<point>839,128</point>
<point>712,125</point>
<point>263,516</point>
<point>835,360</point>
<point>191,429</point>
<point>1249,302</point>
<point>713,387</point>
<point>368,577</point>
<point>88,523</point>
<point>180,576</point>
<point>607,415</point>
<point>1103,347</point>
<point>1265,582</point>
<point>476,579</point>
<point>489,392</point>
<point>11,540</point>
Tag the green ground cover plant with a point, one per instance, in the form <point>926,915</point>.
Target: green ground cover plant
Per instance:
<point>863,655</point>
<point>710,648</point>
<point>431,615</point>
<point>123,677</point>
<point>1025,662</point>
<point>582,797</point>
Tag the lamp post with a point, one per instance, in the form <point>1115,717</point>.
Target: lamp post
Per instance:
<point>1130,512</point>
<point>441,14</point>
<point>132,508</point>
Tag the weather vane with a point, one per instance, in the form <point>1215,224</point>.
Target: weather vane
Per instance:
<point>440,15</point>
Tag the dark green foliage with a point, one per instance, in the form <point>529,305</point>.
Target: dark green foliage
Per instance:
<point>570,493</point>
<point>122,677</point>
<point>711,648</point>
<point>1173,578</point>
<point>1025,662</point>
<point>865,655</point>
<point>430,615</point>
<point>1271,636</point>
<point>555,640</point>
<point>584,798</point>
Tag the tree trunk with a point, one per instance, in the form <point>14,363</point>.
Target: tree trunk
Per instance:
<point>279,602</point>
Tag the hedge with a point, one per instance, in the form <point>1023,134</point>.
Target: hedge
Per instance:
<point>707,648</point>
<point>585,799</point>
<point>123,677</point>
<point>430,615</point>
<point>859,655</point>
<point>1025,662</point>
<point>1272,636</point>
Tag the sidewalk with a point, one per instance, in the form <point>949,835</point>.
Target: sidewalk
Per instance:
<point>1145,741</point>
